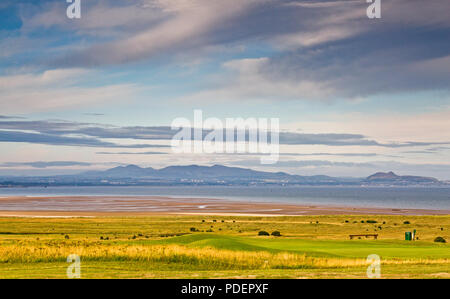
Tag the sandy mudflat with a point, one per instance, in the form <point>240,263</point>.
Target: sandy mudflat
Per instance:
<point>88,206</point>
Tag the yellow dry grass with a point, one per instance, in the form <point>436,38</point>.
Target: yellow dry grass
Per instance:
<point>189,257</point>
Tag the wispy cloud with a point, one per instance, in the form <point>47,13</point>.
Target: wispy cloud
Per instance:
<point>184,25</point>
<point>57,89</point>
<point>42,164</point>
<point>10,117</point>
<point>325,49</point>
<point>62,132</point>
<point>39,138</point>
<point>131,153</point>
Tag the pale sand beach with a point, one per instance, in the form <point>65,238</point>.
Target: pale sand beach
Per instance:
<point>92,206</point>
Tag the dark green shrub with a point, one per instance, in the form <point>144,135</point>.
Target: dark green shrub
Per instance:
<point>276,233</point>
<point>263,233</point>
<point>440,240</point>
<point>66,237</point>
<point>406,222</point>
<point>193,229</point>
<point>371,221</point>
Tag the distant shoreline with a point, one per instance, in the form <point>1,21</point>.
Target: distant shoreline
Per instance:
<point>96,206</point>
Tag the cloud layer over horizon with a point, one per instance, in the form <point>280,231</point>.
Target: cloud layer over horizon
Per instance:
<point>344,86</point>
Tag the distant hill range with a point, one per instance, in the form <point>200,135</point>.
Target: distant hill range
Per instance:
<point>209,174</point>
<point>133,175</point>
<point>392,178</point>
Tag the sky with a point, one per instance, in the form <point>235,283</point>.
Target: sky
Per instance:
<point>353,95</point>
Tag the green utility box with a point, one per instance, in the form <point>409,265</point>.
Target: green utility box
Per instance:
<point>408,236</point>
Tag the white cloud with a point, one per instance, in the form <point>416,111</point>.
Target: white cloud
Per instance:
<point>252,79</point>
<point>101,15</point>
<point>392,126</point>
<point>316,37</point>
<point>56,89</point>
<point>46,78</point>
<point>185,25</point>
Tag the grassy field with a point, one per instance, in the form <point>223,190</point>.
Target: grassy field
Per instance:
<point>219,247</point>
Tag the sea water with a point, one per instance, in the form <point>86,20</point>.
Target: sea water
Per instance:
<point>435,198</point>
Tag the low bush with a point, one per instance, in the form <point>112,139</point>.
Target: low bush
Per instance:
<point>263,233</point>
<point>440,240</point>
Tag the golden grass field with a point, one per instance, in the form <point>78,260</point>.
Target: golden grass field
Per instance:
<point>223,246</point>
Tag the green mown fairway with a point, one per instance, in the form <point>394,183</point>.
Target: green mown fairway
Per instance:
<point>223,246</point>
